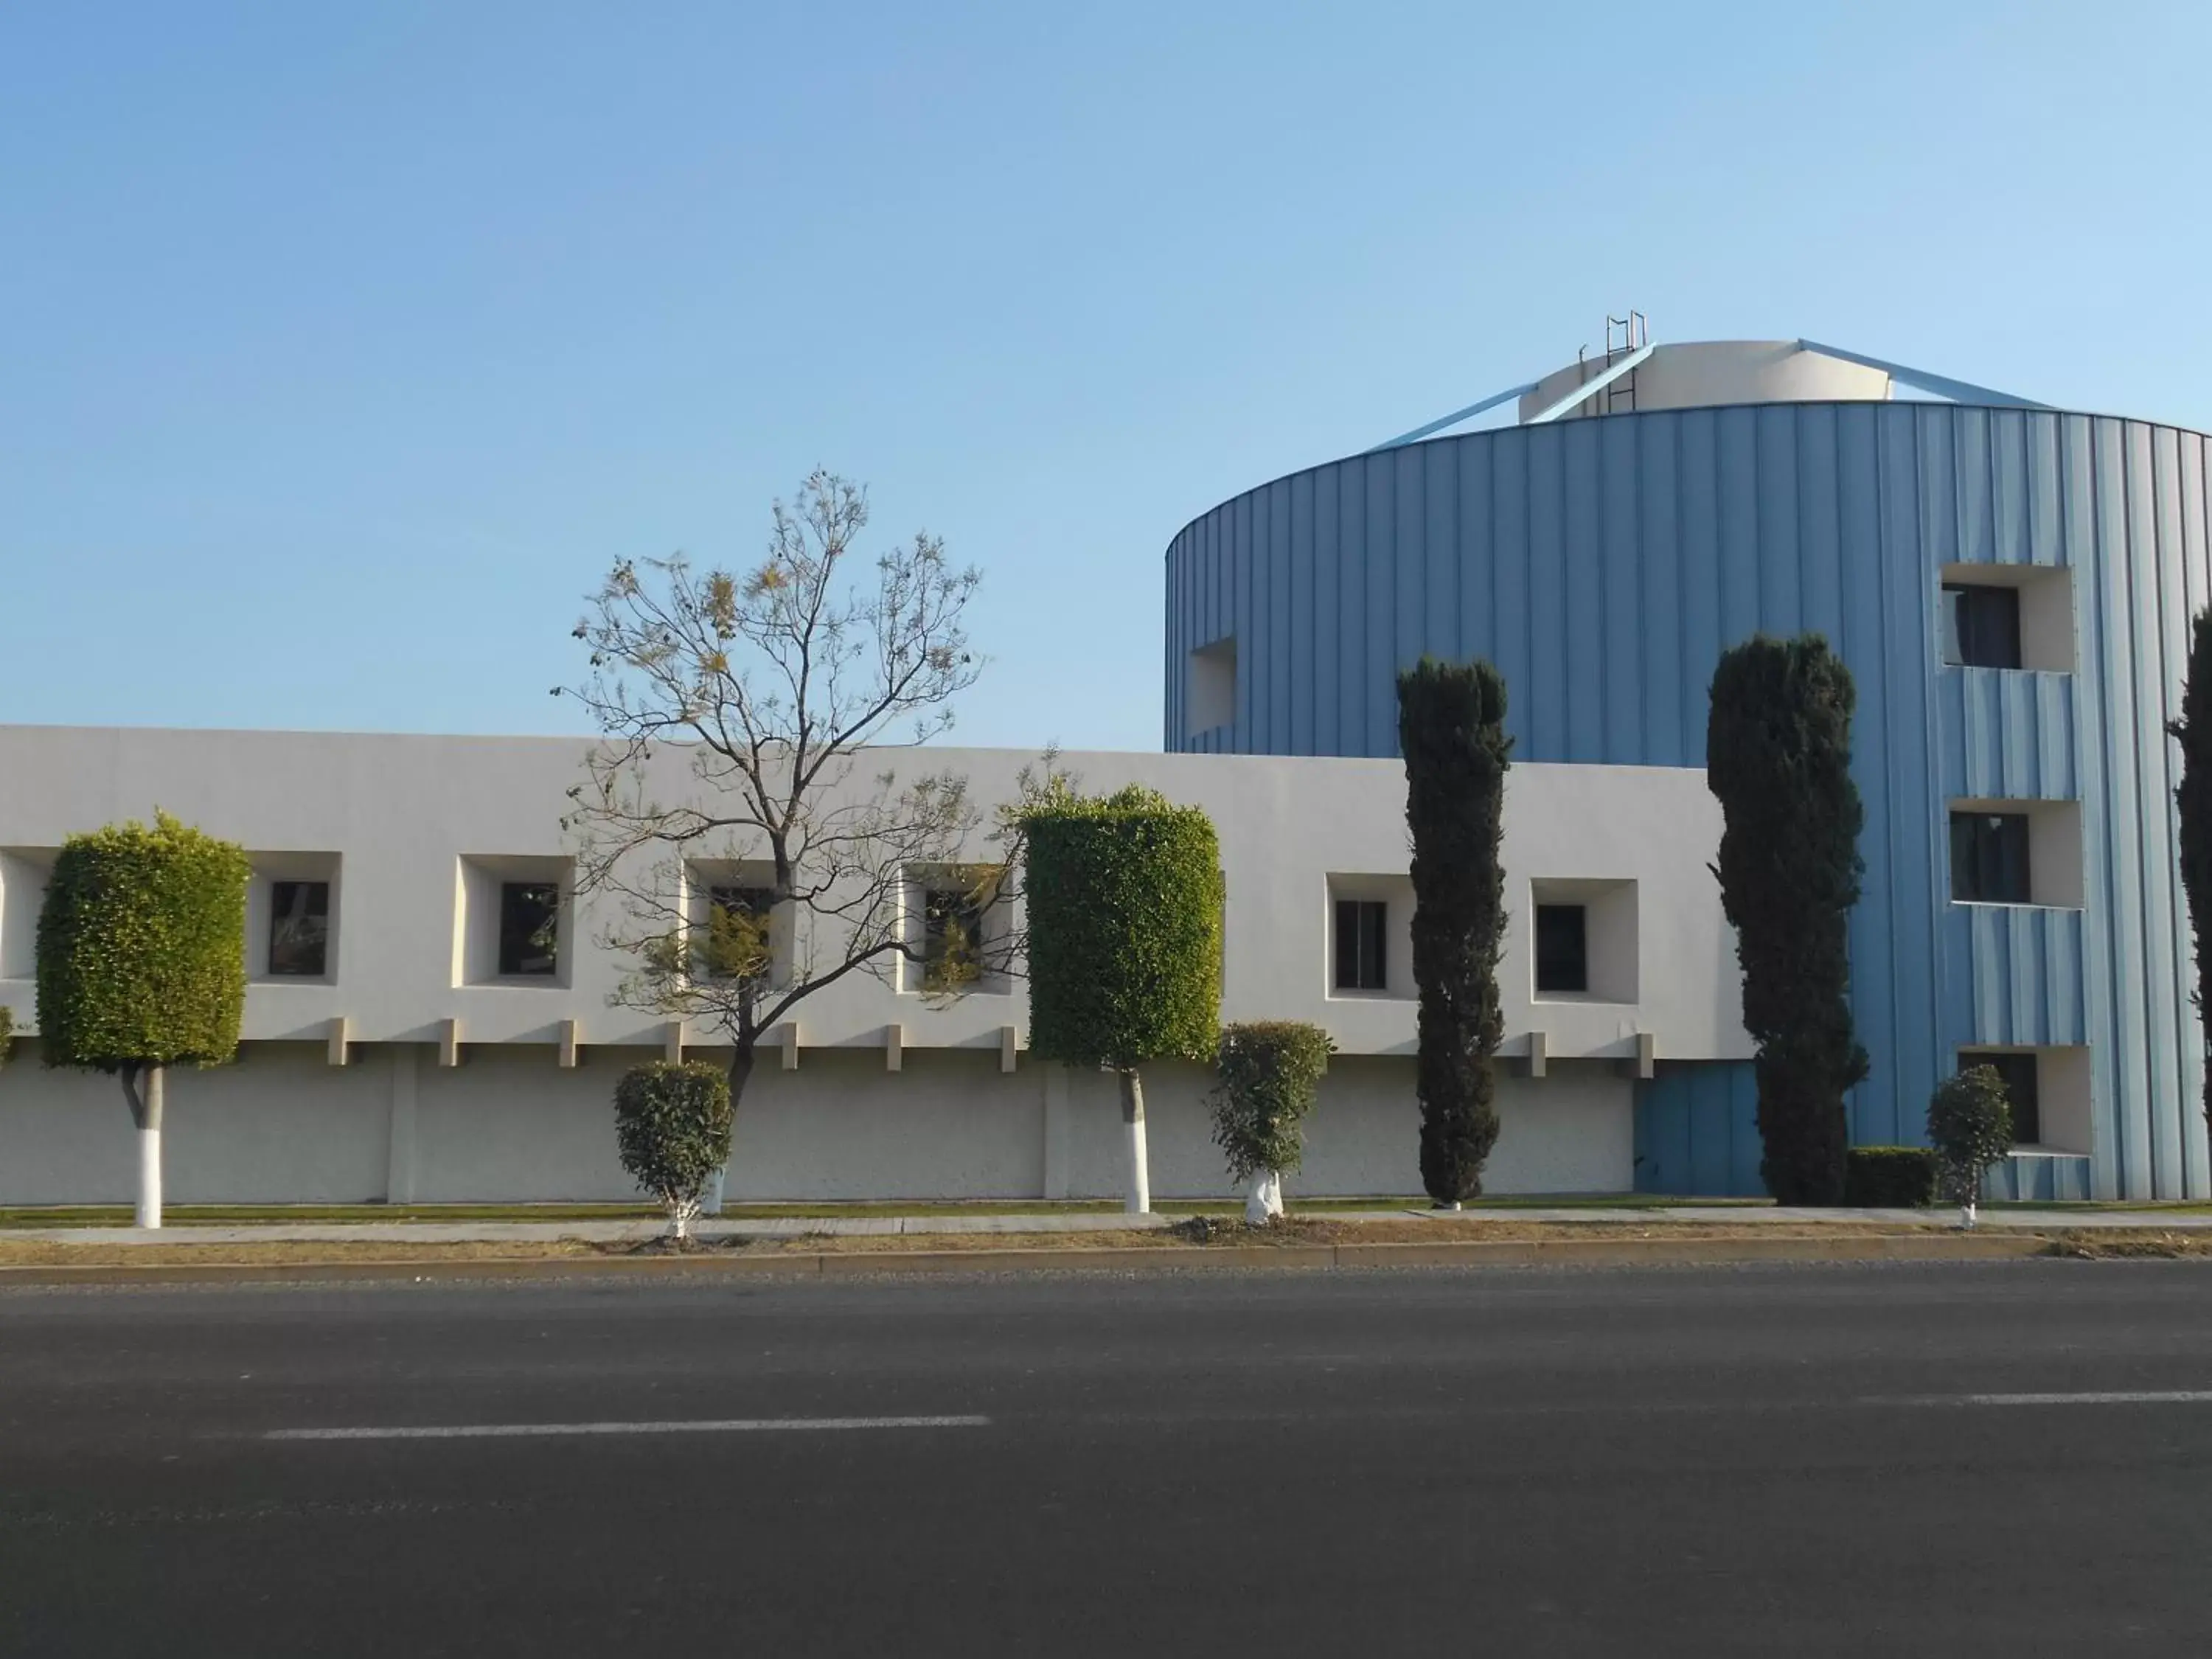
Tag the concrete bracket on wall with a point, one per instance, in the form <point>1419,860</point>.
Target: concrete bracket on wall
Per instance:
<point>449,1041</point>
<point>672,1042</point>
<point>1645,1062</point>
<point>791,1045</point>
<point>572,1041</point>
<point>1009,1047</point>
<point>341,1036</point>
<point>1535,1053</point>
<point>894,1047</point>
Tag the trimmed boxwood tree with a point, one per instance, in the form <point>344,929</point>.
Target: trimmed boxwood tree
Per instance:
<point>141,965</point>
<point>1779,757</point>
<point>1451,730</point>
<point>2193,795</point>
<point>1969,1122</point>
<point>672,1127</point>
<point>1124,895</point>
<point>1267,1076</point>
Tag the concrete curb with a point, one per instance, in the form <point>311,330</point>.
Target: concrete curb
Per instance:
<point>856,1264</point>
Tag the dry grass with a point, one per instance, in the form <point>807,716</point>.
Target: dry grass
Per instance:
<point>1195,1233</point>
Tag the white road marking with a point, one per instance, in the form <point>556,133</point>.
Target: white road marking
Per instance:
<point>2106,1397</point>
<point>722,1425</point>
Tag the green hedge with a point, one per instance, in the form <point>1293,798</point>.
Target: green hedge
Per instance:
<point>141,948</point>
<point>1889,1177</point>
<point>1267,1076</point>
<point>1124,896</point>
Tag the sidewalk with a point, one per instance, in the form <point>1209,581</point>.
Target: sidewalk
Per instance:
<point>1469,1224</point>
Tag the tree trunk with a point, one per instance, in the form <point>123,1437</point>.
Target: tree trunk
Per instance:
<point>741,1071</point>
<point>1263,1198</point>
<point>1139,1200</point>
<point>146,1113</point>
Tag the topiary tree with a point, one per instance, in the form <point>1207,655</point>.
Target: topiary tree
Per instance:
<point>1779,757</point>
<point>1451,730</point>
<point>141,965</point>
<point>1125,896</point>
<point>1970,1123</point>
<point>1267,1075</point>
<point>673,1125</point>
<point>2193,796</point>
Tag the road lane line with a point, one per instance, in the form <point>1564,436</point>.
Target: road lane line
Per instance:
<point>722,1426</point>
<point>2094,1397</point>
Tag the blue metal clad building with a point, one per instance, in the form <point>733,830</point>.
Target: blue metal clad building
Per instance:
<point>1604,563</point>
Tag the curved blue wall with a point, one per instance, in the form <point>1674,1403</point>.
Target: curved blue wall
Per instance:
<point>1604,563</point>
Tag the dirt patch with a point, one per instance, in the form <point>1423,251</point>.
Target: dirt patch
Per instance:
<point>2106,1244</point>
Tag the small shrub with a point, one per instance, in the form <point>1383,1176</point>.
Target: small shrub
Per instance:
<point>672,1124</point>
<point>1969,1121</point>
<point>7,1032</point>
<point>1889,1177</point>
<point>1267,1073</point>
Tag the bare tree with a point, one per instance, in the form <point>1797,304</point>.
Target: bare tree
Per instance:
<point>799,851</point>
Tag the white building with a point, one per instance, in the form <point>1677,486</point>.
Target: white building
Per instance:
<point>417,1046</point>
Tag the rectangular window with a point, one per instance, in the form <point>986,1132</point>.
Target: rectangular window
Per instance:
<point>298,929</point>
<point>2019,1075</point>
<point>1363,945</point>
<point>738,944</point>
<point>1562,947</point>
<point>952,935</point>
<point>529,928</point>
<point>1988,858</point>
<point>1981,626</point>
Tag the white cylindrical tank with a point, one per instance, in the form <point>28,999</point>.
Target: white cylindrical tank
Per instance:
<point>1701,374</point>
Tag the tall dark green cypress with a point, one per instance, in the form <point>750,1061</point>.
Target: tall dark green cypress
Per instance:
<point>2193,731</point>
<point>1779,756</point>
<point>1451,730</point>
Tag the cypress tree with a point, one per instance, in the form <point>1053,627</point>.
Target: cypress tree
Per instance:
<point>2193,731</point>
<point>1779,756</point>
<point>1451,730</point>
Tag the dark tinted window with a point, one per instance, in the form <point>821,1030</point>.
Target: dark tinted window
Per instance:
<point>2019,1072</point>
<point>1362,936</point>
<point>1981,627</point>
<point>299,928</point>
<point>1562,948</point>
<point>529,927</point>
<point>1988,858</point>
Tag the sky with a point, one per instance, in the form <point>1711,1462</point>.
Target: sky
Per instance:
<point>344,348</point>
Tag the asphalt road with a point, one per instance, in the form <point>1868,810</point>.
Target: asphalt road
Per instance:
<point>1799,1462</point>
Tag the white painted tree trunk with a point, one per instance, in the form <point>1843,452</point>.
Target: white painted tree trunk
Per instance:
<point>679,1221</point>
<point>1132,1120</point>
<point>1966,1214</point>
<point>1263,1197</point>
<point>149,1151</point>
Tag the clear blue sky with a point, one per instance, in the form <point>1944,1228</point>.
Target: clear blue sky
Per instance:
<point>343,347</point>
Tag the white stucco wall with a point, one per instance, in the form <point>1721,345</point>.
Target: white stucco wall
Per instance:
<point>402,820</point>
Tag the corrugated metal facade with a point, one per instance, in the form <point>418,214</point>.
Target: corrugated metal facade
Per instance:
<point>1603,564</point>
